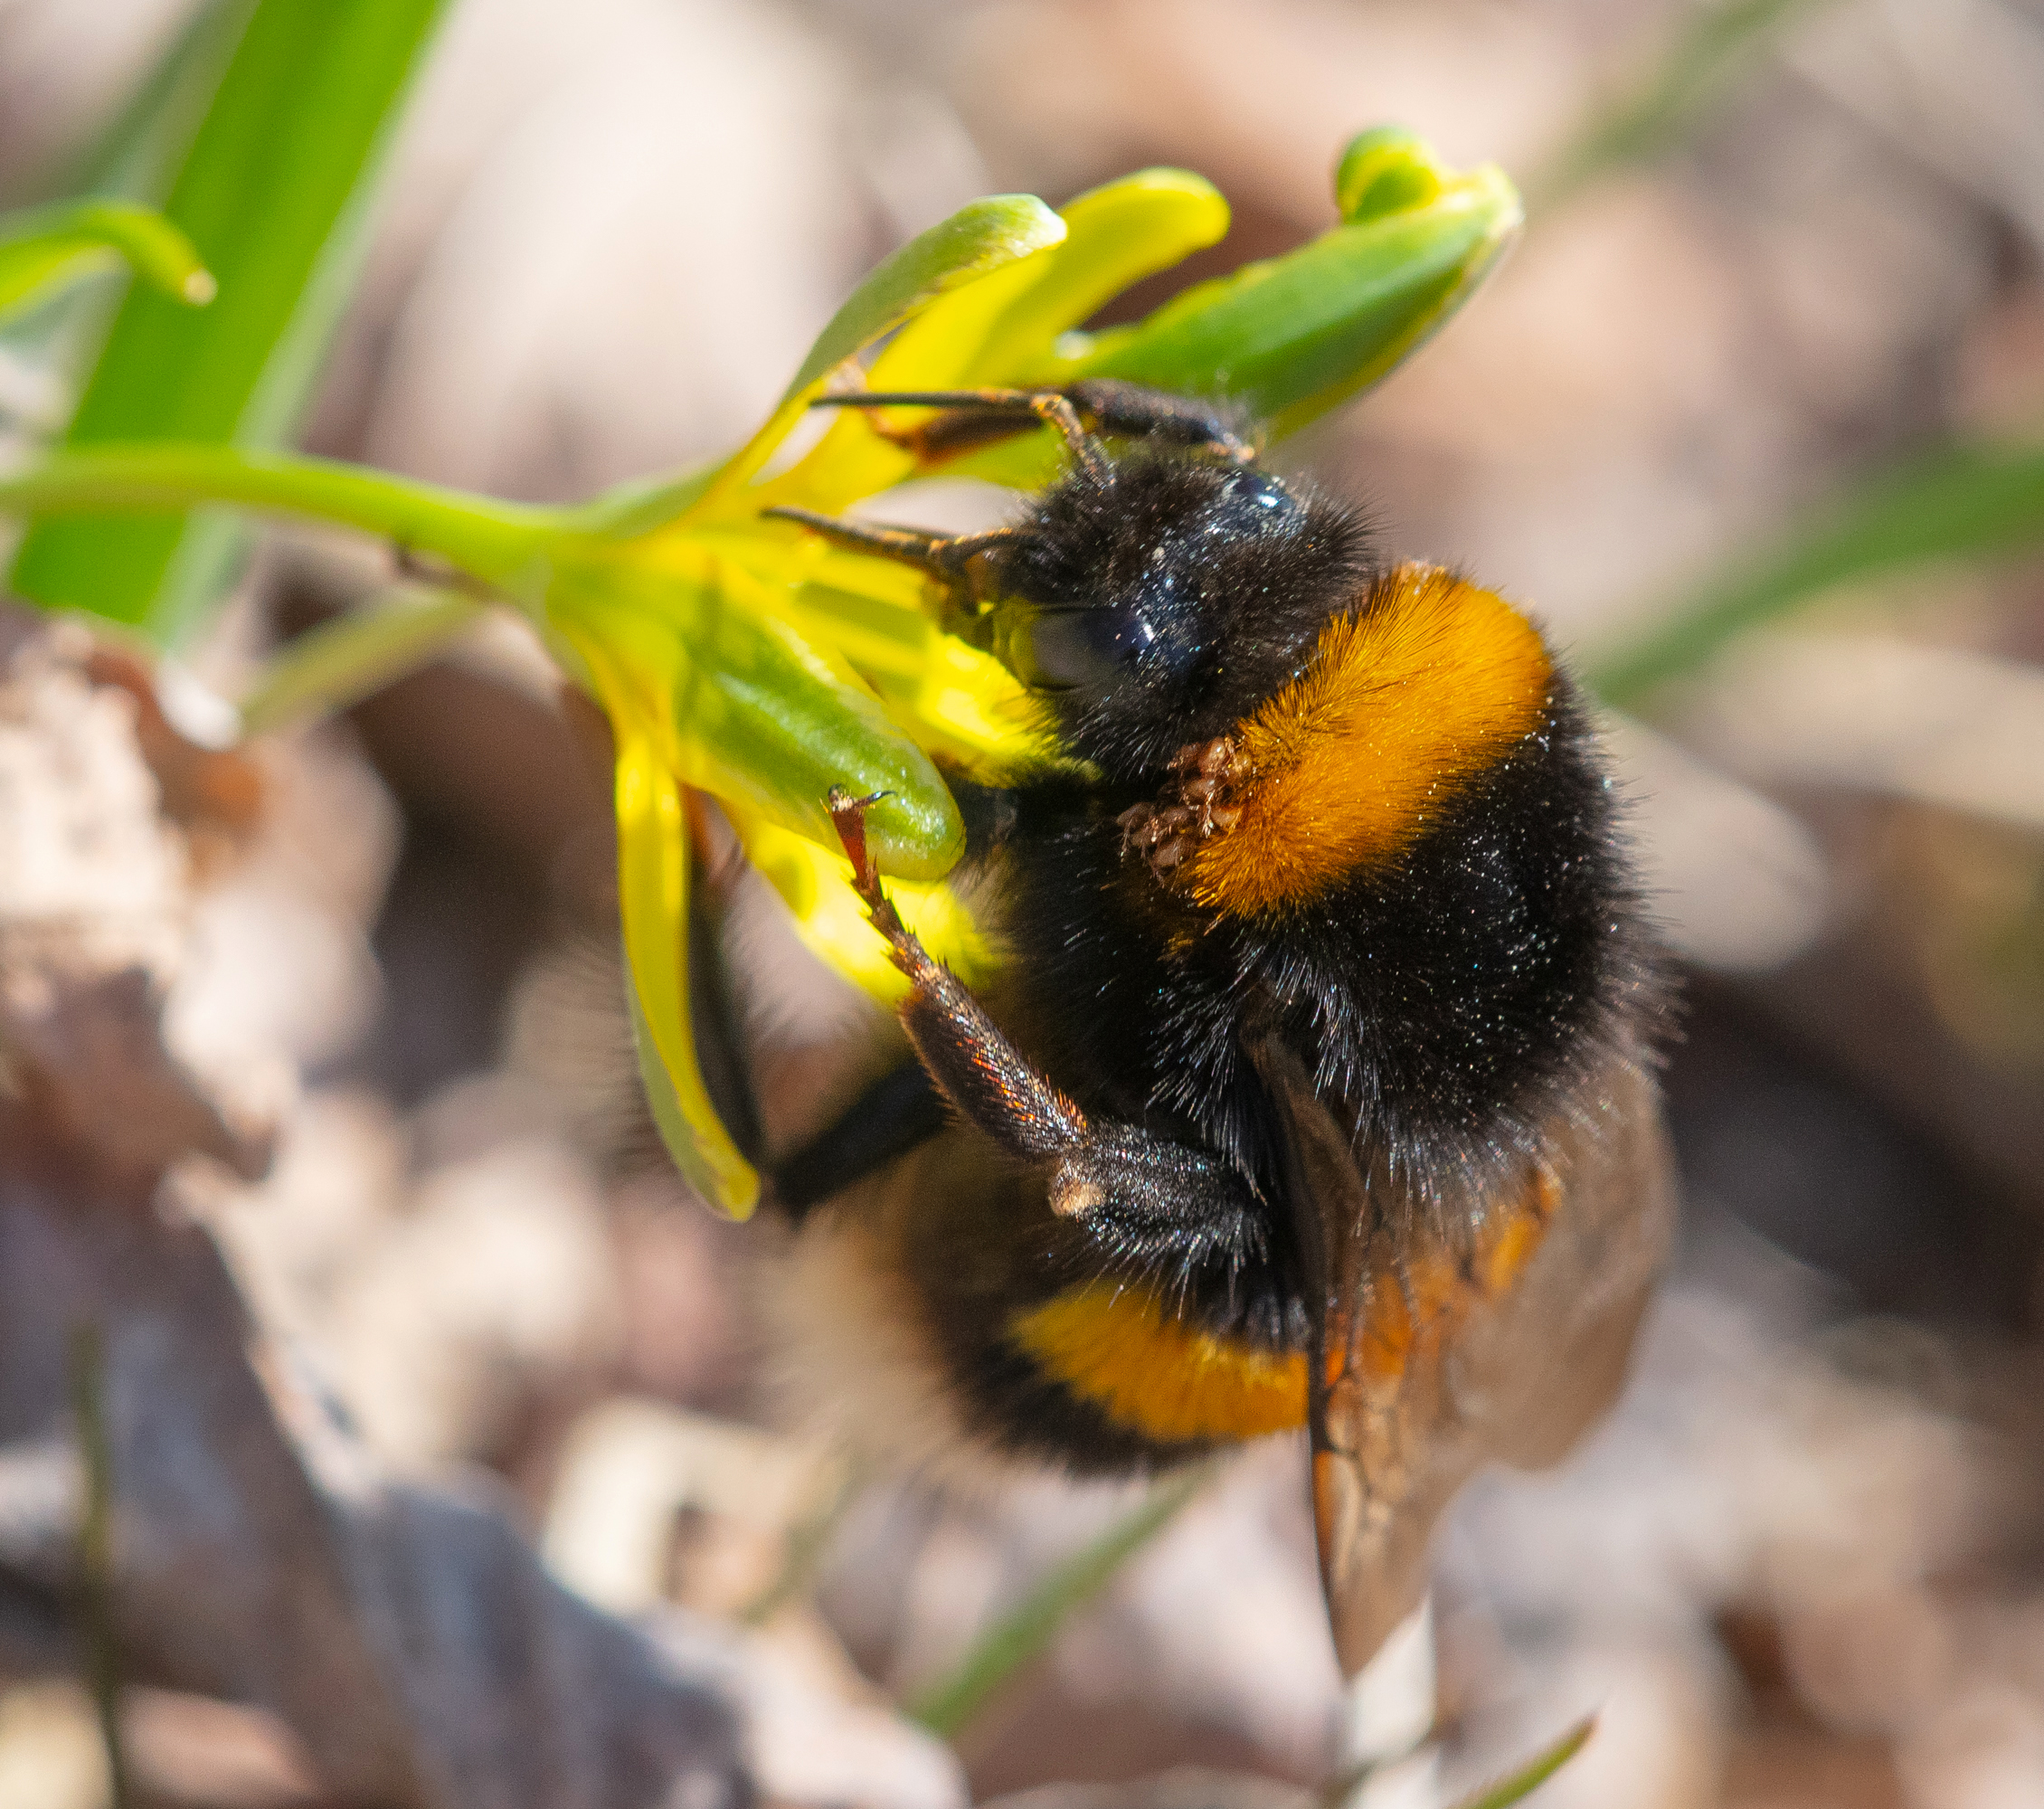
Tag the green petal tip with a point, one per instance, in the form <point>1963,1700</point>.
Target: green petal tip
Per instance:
<point>1385,170</point>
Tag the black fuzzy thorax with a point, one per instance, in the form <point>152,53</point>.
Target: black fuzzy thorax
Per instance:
<point>1447,1003</point>
<point>1238,597</point>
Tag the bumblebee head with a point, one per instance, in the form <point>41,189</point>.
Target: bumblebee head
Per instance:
<point>1156,601</point>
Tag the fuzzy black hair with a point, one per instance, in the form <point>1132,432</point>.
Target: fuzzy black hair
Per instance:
<point>1236,572</point>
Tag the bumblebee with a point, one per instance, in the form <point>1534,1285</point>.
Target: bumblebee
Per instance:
<point>1315,1087</point>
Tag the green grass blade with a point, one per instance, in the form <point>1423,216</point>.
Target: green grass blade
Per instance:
<point>274,193</point>
<point>1027,1630</point>
<point>1716,46</point>
<point>141,153</point>
<point>1521,1784</point>
<point>42,251</point>
<point>1958,503</point>
<point>95,1550</point>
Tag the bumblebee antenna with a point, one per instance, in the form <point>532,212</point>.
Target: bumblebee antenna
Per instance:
<point>942,555</point>
<point>1080,411</point>
<point>1053,408</point>
<point>909,544</point>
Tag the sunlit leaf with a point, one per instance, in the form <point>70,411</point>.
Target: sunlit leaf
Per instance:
<point>981,237</point>
<point>1958,503</point>
<point>748,709</point>
<point>274,191</point>
<point>978,239</point>
<point>1002,329</point>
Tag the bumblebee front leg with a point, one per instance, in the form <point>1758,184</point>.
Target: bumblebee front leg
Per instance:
<point>1146,1196</point>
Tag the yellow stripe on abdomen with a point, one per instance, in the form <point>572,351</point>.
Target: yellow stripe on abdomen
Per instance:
<point>1402,705</point>
<point>1151,1370</point>
<point>1144,1368</point>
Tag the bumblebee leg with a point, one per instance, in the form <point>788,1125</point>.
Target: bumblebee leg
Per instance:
<point>1144,1196</point>
<point>942,555</point>
<point>1094,406</point>
<point>975,1067</point>
<point>1130,412</point>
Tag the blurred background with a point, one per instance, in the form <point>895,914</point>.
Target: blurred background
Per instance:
<point>1773,253</point>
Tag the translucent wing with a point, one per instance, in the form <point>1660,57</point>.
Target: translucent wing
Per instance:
<point>1439,1349</point>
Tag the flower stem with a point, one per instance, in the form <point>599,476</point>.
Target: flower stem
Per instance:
<point>95,1547</point>
<point>502,544</point>
<point>344,660</point>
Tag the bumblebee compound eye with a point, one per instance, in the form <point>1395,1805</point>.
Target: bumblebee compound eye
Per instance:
<point>1069,650</point>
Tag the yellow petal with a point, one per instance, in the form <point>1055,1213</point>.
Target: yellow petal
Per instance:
<point>653,888</point>
<point>1003,329</point>
<point>816,885</point>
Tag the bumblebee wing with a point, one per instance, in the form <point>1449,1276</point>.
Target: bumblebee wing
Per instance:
<point>1435,1355</point>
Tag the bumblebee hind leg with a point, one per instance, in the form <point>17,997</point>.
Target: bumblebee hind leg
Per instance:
<point>1143,1197</point>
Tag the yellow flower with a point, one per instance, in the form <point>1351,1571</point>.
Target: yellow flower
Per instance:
<point>742,657</point>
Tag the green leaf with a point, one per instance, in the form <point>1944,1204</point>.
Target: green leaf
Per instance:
<point>1287,339</point>
<point>274,191</point>
<point>1002,329</point>
<point>1717,45</point>
<point>1291,337</point>
<point>44,251</point>
<point>1519,1784</point>
<point>979,239</point>
<point>140,157</point>
<point>1385,170</point>
<point>1960,501</point>
<point>1115,235</point>
<point>1027,1630</point>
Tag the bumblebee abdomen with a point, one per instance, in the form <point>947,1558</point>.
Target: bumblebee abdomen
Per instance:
<point>1159,1370</point>
<point>1157,1373</point>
